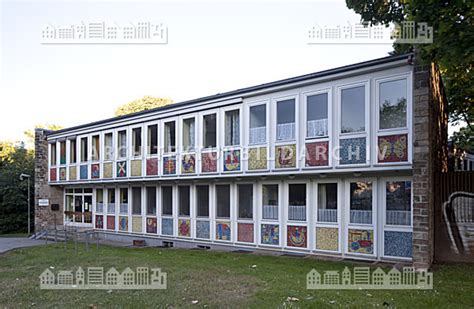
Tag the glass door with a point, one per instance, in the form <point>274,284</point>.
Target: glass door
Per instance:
<point>78,208</point>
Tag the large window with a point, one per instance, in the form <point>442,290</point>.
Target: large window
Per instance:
<point>152,143</point>
<point>286,129</point>
<point>317,115</point>
<point>111,200</point>
<point>108,147</point>
<point>170,136</point>
<point>223,201</point>
<point>398,203</point>
<point>189,133</point>
<point>210,131</point>
<point>361,202</point>
<point>245,192</point>
<point>53,154</point>
<point>62,152</point>
<point>122,144</point>
<point>167,201</point>
<point>393,104</point>
<point>327,202</point>
<point>72,151</point>
<point>84,150</point>
<point>353,109</point>
<point>297,202</point>
<point>137,142</point>
<point>95,148</point>
<point>202,192</point>
<point>232,128</point>
<point>270,202</point>
<point>151,200</point>
<point>258,125</point>
<point>124,200</point>
<point>99,200</point>
<point>136,200</point>
<point>184,202</point>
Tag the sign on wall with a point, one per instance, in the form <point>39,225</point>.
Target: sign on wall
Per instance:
<point>43,202</point>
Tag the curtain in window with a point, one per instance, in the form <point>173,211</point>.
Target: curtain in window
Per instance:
<point>191,135</point>
<point>232,129</point>
<point>258,135</point>
<point>123,143</point>
<point>317,128</point>
<point>168,139</point>
<point>286,131</point>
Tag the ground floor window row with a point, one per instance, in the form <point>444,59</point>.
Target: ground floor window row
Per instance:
<point>367,217</point>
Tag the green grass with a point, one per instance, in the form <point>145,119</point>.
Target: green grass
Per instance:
<point>215,279</point>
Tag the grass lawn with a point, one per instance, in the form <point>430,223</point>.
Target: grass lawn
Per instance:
<point>215,279</point>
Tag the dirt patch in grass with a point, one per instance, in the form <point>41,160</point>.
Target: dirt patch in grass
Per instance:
<point>217,288</point>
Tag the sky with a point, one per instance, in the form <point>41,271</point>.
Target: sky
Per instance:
<point>213,47</point>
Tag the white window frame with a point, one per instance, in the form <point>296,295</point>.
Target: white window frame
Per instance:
<point>230,220</point>
<point>209,219</point>
<point>100,135</point>
<point>200,141</point>
<point>394,131</point>
<point>162,216</point>
<point>327,91</point>
<point>259,214</point>
<point>315,223</point>
<point>288,222</point>
<point>148,155</point>
<point>222,128</point>
<point>175,153</point>
<point>252,220</point>
<point>384,227</point>
<point>222,115</point>
<point>127,142</point>
<point>181,137</point>
<point>366,84</point>
<point>132,150</point>
<point>275,101</point>
<point>328,138</point>
<point>365,134</point>
<point>267,122</point>
<point>246,142</point>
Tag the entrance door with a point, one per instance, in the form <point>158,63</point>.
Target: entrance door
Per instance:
<point>78,206</point>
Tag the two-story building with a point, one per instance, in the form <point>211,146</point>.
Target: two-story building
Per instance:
<point>317,164</point>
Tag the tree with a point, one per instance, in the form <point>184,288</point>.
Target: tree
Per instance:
<point>463,139</point>
<point>452,48</point>
<point>145,103</point>
<point>30,134</point>
<point>14,160</point>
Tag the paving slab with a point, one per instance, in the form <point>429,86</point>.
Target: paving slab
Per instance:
<point>10,243</point>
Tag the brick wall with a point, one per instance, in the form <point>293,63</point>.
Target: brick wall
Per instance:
<point>44,216</point>
<point>429,156</point>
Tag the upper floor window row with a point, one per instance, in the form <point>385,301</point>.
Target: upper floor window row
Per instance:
<point>391,99</point>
